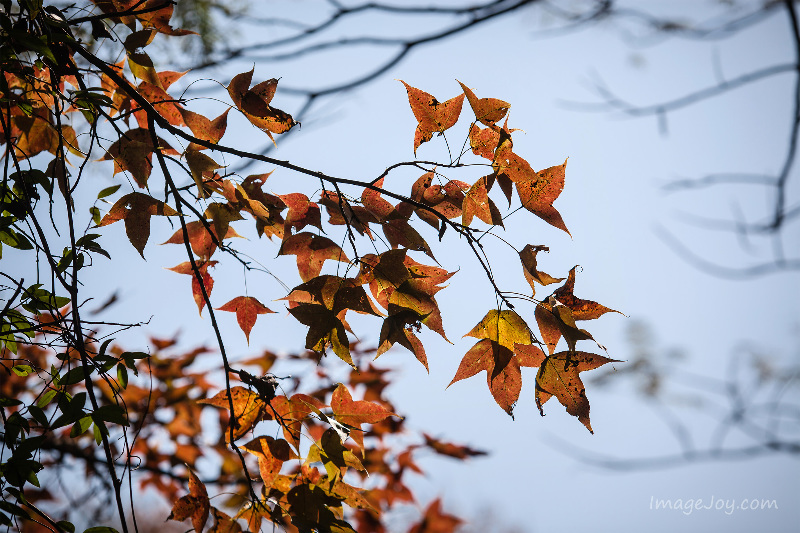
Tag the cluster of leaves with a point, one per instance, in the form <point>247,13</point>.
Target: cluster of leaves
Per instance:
<point>60,102</point>
<point>302,474</point>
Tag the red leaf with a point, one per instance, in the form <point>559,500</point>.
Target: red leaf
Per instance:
<point>247,310</point>
<point>136,209</point>
<point>311,251</point>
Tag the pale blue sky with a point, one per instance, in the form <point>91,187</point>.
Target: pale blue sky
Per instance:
<point>612,204</point>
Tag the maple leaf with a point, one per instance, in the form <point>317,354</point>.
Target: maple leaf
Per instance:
<point>538,194</point>
<point>397,328</point>
<point>248,409</point>
<point>247,310</point>
<point>254,104</point>
<point>487,110</point>
<point>506,328</point>
<point>292,411</point>
<point>449,449</point>
<point>342,212</point>
<point>401,233</point>
<point>208,281</point>
<point>223,523</point>
<point>559,376</point>
<point>271,453</point>
<point>324,327</point>
<point>334,456</point>
<point>201,166</point>
<point>204,128</point>
<point>477,203</point>
<point>432,116</point>
<point>356,412</point>
<point>134,152</point>
<point>500,332</point>
<point>311,251</point>
<point>166,105</point>
<point>136,209</point>
<point>376,204</point>
<point>435,521</point>
<point>422,303</point>
<point>581,309</point>
<point>528,258</point>
<point>302,211</point>
<point>201,238</point>
<point>194,505</point>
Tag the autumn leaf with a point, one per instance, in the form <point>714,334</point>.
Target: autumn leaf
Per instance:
<point>311,251</point>
<point>208,281</point>
<point>581,309</point>
<point>202,239</point>
<point>487,110</point>
<point>449,449</point>
<point>528,258</point>
<point>559,376</point>
<point>325,327</point>
<point>223,523</point>
<point>254,104</point>
<point>136,209</point>
<point>436,521</point>
<point>271,454</point>
<point>432,116</point>
<point>201,166</point>
<point>302,211</point>
<point>133,152</point>
<point>248,409</point>
<point>538,194</point>
<point>204,128</point>
<point>506,328</point>
<point>334,456</point>
<point>500,332</point>
<point>247,310</point>
<point>398,328</point>
<point>477,203</point>
<point>356,412</point>
<point>401,233</point>
<point>293,411</point>
<point>194,505</point>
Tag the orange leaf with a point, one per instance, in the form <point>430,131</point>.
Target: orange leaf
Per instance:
<point>247,310</point>
<point>208,281</point>
<point>311,251</point>
<point>435,521</point>
<point>248,409</point>
<point>271,455</point>
<point>581,309</point>
<point>487,110</point>
<point>194,505</point>
<point>502,371</point>
<point>203,128</point>
<point>355,412</point>
<point>432,116</point>
<point>538,194</point>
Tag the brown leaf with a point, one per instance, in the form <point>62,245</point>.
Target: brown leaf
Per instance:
<point>136,209</point>
<point>581,309</point>
<point>528,258</point>
<point>208,281</point>
<point>205,129</point>
<point>355,412</point>
<point>558,376</point>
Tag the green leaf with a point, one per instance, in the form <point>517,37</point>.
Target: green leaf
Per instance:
<point>69,527</point>
<point>22,370</point>
<point>46,398</point>
<point>108,191</point>
<point>100,529</point>
<point>81,426</point>
<point>111,413</point>
<point>122,376</point>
